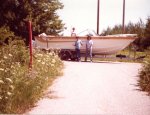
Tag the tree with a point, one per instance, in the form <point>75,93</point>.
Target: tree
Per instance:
<point>147,29</point>
<point>16,13</point>
<point>146,41</point>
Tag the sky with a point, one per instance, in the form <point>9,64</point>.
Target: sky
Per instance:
<point>82,14</point>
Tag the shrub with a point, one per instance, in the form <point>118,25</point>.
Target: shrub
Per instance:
<point>144,75</point>
<point>5,34</point>
<point>21,87</point>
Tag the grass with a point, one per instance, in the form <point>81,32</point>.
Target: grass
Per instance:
<point>131,56</point>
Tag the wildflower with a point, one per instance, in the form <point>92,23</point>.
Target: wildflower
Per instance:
<point>38,60</point>
<point>53,61</point>
<point>11,66</point>
<point>1,82</point>
<point>40,55</point>
<point>7,69</point>
<point>11,87</point>
<point>9,94</point>
<point>10,55</point>
<point>1,69</point>
<point>52,65</point>
<point>6,97</point>
<point>43,63</point>
<point>56,56</point>
<point>5,57</point>
<point>50,54</point>
<point>18,64</point>
<point>9,80</point>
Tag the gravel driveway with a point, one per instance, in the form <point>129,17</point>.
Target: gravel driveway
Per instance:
<point>107,88</point>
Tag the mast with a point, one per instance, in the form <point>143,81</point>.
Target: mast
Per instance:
<point>98,7</point>
<point>123,19</point>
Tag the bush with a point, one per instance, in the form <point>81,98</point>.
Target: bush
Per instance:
<point>5,34</point>
<point>21,87</point>
<point>144,75</point>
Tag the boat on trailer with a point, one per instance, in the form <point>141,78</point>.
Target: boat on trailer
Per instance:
<point>103,45</point>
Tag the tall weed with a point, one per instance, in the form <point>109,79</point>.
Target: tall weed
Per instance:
<point>144,75</point>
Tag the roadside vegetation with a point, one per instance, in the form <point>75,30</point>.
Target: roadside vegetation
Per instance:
<point>144,76</point>
<point>20,86</point>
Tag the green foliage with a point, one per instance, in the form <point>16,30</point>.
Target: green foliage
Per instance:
<point>144,75</point>
<point>139,28</point>
<point>21,87</point>
<point>16,13</point>
<point>146,40</point>
<point>131,28</point>
<point>147,29</point>
<point>5,34</point>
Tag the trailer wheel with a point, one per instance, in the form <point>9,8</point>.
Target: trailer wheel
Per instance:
<point>64,55</point>
<point>73,56</point>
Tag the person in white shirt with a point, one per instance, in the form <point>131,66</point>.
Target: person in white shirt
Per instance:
<point>73,33</point>
<point>78,44</point>
<point>89,44</point>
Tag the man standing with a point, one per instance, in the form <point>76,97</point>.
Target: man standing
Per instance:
<point>89,44</point>
<point>73,33</point>
<point>78,44</point>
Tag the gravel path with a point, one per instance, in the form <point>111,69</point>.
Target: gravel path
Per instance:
<point>107,88</point>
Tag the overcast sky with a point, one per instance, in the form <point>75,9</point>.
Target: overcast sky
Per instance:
<point>82,14</point>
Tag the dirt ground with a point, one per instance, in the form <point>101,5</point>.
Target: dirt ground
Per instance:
<point>107,88</point>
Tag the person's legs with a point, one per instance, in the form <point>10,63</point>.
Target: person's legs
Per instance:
<point>78,54</point>
<point>90,54</point>
<point>86,54</point>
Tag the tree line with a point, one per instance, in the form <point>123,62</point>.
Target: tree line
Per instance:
<point>139,28</point>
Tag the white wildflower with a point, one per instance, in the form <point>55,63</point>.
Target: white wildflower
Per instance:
<point>11,66</point>
<point>52,65</point>
<point>11,87</point>
<point>1,69</point>
<point>10,55</point>
<point>56,56</point>
<point>7,69</point>
<point>40,55</point>
<point>53,60</point>
<point>50,54</point>
<point>5,57</point>
<point>43,63</point>
<point>38,60</point>
<point>18,64</point>
<point>9,80</point>
<point>9,94</point>
<point>6,97</point>
<point>1,82</point>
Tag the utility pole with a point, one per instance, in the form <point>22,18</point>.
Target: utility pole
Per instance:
<point>98,8</point>
<point>123,19</point>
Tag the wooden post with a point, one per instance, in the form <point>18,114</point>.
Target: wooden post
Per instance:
<point>30,43</point>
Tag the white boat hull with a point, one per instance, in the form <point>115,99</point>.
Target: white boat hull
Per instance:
<point>104,45</point>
